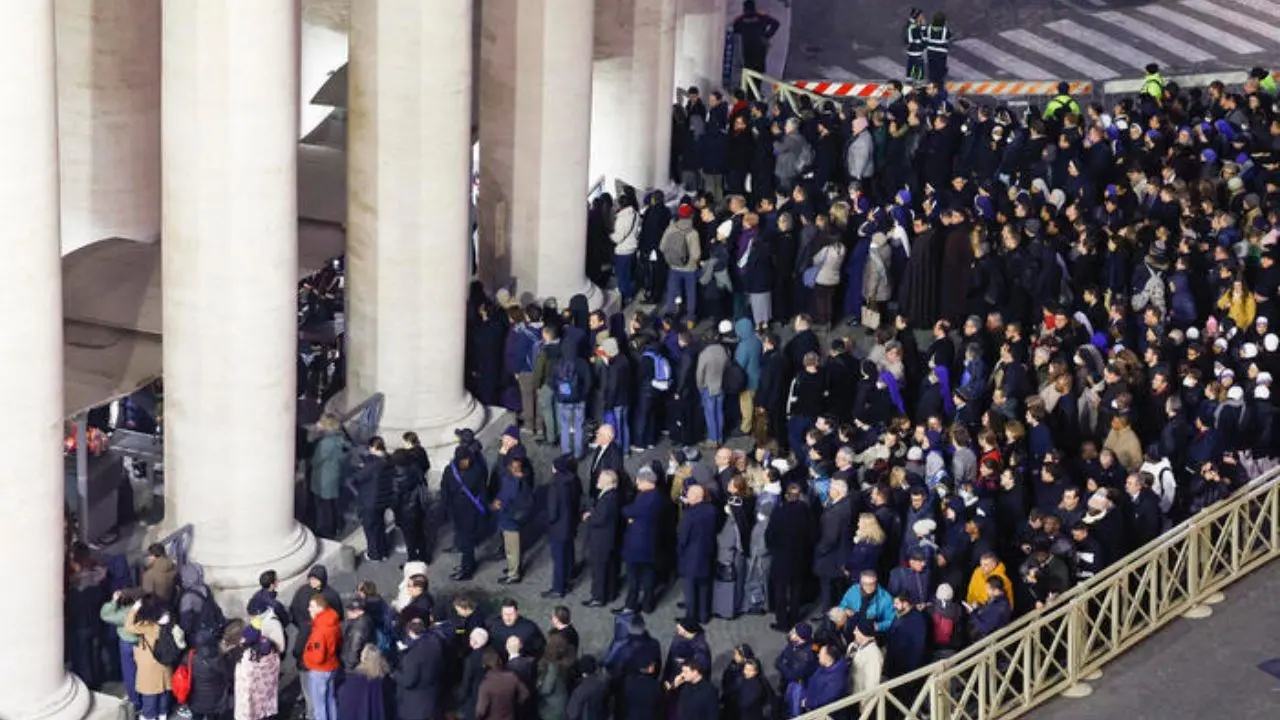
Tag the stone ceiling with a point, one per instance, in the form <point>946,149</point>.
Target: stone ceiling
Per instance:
<point>333,14</point>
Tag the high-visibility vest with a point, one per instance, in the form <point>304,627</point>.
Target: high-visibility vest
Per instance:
<point>1153,85</point>
<point>1268,84</point>
<point>1061,102</point>
<point>938,39</point>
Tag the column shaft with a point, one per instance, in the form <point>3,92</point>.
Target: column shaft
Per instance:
<point>700,44</point>
<point>109,120</point>
<point>535,129</point>
<point>33,682</point>
<point>230,266</point>
<point>664,91</point>
<point>408,212</point>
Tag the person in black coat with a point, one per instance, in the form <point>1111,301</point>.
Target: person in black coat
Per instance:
<point>510,623</point>
<point>375,492</point>
<point>686,403</point>
<point>1144,518</point>
<point>589,700</point>
<point>412,502</point>
<point>697,698</point>
<point>317,582</point>
<point>464,489</point>
<point>420,674</point>
<point>640,541</point>
<point>908,639</point>
<point>211,677</point>
<point>771,394</point>
<point>789,538</point>
<point>603,524</point>
<point>755,698</point>
<point>564,509</point>
<point>835,542</point>
<point>635,669</point>
<point>695,548</point>
<point>607,455</point>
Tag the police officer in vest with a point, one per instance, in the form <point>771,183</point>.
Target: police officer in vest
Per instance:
<point>937,40</point>
<point>1061,105</point>
<point>1152,86</point>
<point>915,45</point>
<point>754,30</point>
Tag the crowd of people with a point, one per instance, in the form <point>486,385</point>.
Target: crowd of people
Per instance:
<point>1062,348</point>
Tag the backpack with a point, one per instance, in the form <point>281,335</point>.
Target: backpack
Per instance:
<point>181,680</point>
<point>943,628</point>
<point>734,380</point>
<point>567,381</point>
<point>166,651</point>
<point>197,610</point>
<point>661,371</point>
<point>677,253</point>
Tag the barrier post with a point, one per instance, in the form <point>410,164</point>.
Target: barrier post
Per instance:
<point>1198,610</point>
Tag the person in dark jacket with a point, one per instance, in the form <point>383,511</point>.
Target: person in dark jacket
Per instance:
<point>317,582</point>
<point>211,677</point>
<point>830,680</point>
<point>639,542</point>
<point>412,504</point>
<point>908,639</point>
<point>589,699</point>
<point>514,503</point>
<point>633,662</point>
<point>463,489</point>
<point>375,492</point>
<point>1145,520</point>
<point>771,395</point>
<point>754,699</point>
<point>835,542</point>
<point>789,538</point>
<point>695,548</point>
<point>419,677</point>
<point>697,699</point>
<point>603,526</point>
<point>564,509</point>
<point>357,631</point>
<point>688,644</point>
<point>510,623</point>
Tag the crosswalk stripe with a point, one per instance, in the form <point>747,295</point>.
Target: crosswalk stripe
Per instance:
<point>1203,30</point>
<point>1266,7</point>
<point>957,70</point>
<point>838,74</point>
<point>1155,36</point>
<point>1060,54</point>
<point>885,68</point>
<point>1270,32</point>
<point>1103,43</point>
<point>993,55</point>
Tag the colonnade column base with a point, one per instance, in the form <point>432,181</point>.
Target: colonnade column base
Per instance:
<point>72,701</point>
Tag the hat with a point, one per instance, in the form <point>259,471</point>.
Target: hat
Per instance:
<point>903,197</point>
<point>1264,378</point>
<point>866,627</point>
<point>1249,351</point>
<point>1235,393</point>
<point>803,630</point>
<point>1193,333</point>
<point>251,635</point>
<point>924,526</point>
<point>1152,68</point>
<point>725,327</point>
<point>1270,342</point>
<point>685,211</point>
<point>1235,184</point>
<point>690,626</point>
<point>1112,191</point>
<point>1261,320</point>
<point>944,592</point>
<point>635,624</point>
<point>512,431</point>
<point>319,572</point>
<point>915,454</point>
<point>1208,156</point>
<point>693,90</point>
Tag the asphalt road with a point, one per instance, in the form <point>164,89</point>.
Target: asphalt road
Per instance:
<point>1037,39</point>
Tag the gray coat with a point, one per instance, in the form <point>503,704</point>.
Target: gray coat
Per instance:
<point>710,372</point>
<point>860,157</point>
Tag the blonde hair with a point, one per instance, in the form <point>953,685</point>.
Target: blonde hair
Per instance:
<point>372,665</point>
<point>328,422</point>
<point>869,529</point>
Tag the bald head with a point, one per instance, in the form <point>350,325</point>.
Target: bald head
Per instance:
<point>695,495</point>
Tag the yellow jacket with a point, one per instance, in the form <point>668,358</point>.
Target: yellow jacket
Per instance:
<point>978,585</point>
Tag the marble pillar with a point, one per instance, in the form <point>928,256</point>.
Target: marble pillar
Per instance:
<point>408,213</point>
<point>535,128</point>
<point>33,682</point>
<point>109,120</point>
<point>664,90</point>
<point>230,263</point>
<point>700,44</point>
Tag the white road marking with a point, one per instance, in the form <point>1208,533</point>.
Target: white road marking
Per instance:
<point>1239,19</point>
<point>1155,36</point>
<point>993,55</point>
<point>885,68</point>
<point>1201,29</point>
<point>1105,44</point>
<point>837,74</point>
<point>1060,54</point>
<point>1266,7</point>
<point>957,70</point>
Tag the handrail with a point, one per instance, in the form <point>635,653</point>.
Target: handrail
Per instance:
<point>360,423</point>
<point>751,84</point>
<point>1044,653</point>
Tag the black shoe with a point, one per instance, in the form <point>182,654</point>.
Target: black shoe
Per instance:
<point>592,603</point>
<point>461,576</point>
<point>680,605</point>
<point>623,611</point>
<point>779,627</point>
<point>552,595</point>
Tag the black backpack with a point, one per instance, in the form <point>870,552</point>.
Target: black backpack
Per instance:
<point>734,380</point>
<point>566,381</point>
<point>198,611</point>
<point>166,650</point>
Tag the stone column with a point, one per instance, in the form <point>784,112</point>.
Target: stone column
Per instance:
<point>664,91</point>
<point>624,79</point>
<point>408,213</point>
<point>230,265</point>
<point>535,129</point>
<point>700,44</point>
<point>109,120</point>
<point>33,682</point>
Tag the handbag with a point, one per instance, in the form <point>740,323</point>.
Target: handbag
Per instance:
<point>726,573</point>
<point>181,679</point>
<point>810,276</point>
<point>870,318</point>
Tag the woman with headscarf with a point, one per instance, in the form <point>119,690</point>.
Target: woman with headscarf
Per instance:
<point>257,677</point>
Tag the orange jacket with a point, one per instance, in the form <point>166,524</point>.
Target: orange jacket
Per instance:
<point>324,642</point>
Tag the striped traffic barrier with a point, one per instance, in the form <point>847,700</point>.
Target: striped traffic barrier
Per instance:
<point>988,88</point>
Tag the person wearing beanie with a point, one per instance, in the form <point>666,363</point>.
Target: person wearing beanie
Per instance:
<point>797,661</point>
<point>866,657</point>
<point>946,622</point>
<point>464,493</point>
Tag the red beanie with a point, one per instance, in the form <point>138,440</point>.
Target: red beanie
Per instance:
<point>685,212</point>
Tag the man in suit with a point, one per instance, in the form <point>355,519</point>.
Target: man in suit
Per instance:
<point>789,539</point>
<point>564,508</point>
<point>695,546</point>
<point>602,540</point>
<point>607,456</point>
<point>835,541</point>
<point>639,542</point>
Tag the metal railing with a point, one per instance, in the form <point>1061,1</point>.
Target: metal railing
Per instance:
<point>1045,653</point>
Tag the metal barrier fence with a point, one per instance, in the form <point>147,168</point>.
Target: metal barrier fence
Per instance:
<point>1044,654</point>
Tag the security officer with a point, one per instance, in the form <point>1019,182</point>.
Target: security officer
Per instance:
<point>754,30</point>
<point>937,39</point>
<point>1062,104</point>
<point>1266,81</point>
<point>915,45</point>
<point>1152,85</point>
